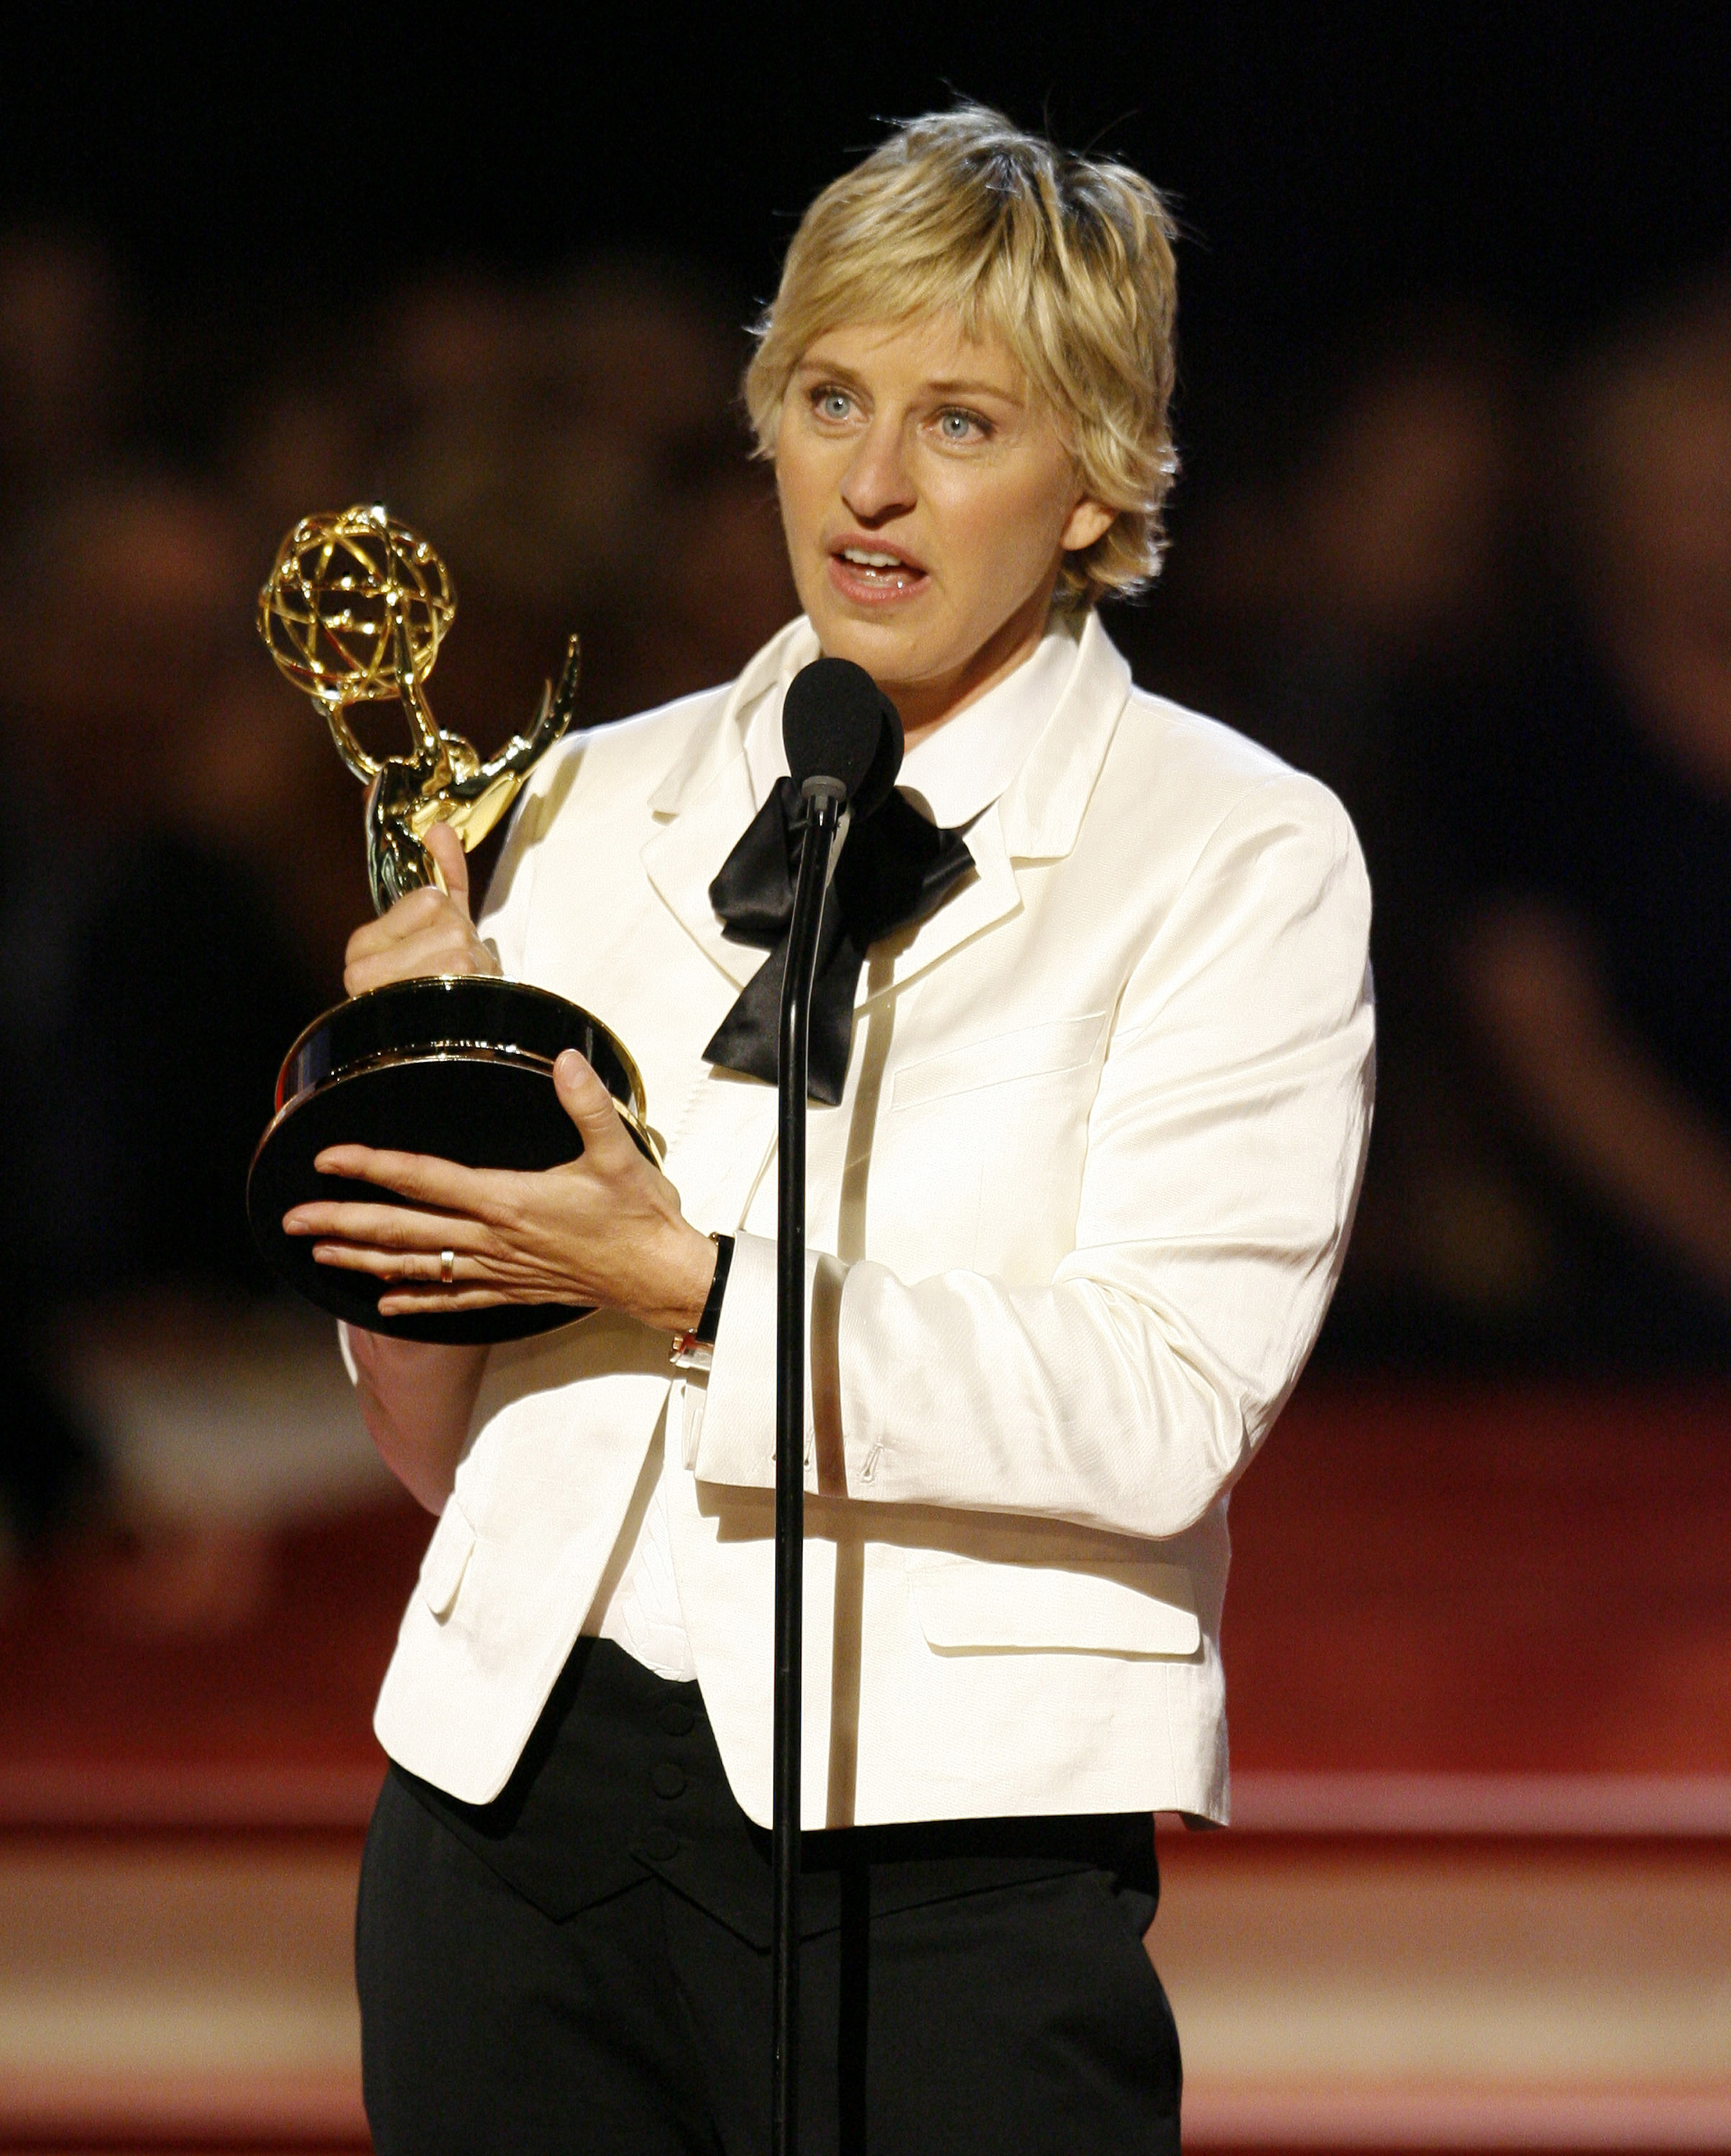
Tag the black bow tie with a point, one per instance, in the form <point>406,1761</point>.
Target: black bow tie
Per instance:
<point>895,868</point>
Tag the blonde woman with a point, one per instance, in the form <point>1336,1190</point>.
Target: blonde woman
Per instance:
<point>1099,1094</point>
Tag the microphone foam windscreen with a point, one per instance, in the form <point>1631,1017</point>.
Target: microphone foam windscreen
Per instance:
<point>837,723</point>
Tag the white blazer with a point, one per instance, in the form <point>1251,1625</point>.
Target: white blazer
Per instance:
<point>1075,1225</point>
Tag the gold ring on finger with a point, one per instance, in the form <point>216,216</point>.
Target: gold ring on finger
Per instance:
<point>447,1268</point>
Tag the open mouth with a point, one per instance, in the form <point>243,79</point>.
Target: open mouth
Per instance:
<point>875,573</point>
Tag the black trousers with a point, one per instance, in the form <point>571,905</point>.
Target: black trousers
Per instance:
<point>582,1965</point>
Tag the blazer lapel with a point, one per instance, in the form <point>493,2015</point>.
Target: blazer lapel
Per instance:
<point>681,860</point>
<point>704,801</point>
<point>1037,818</point>
<point>1042,807</point>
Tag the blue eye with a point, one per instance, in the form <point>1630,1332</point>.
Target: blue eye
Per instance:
<point>958,426</point>
<point>832,403</point>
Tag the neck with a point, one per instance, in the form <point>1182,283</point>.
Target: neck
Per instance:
<point>924,706</point>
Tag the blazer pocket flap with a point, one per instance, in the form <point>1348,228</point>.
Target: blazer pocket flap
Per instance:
<point>447,1559</point>
<point>1033,1052</point>
<point>1102,1608</point>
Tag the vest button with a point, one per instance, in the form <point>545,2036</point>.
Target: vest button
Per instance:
<point>668,1780</point>
<point>661,1845</point>
<point>677,1718</point>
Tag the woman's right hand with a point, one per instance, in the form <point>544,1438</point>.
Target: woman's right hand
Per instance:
<point>429,931</point>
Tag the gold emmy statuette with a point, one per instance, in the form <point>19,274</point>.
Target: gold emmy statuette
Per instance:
<point>460,1066</point>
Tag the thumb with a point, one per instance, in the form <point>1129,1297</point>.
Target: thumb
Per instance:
<point>590,1106</point>
<point>446,848</point>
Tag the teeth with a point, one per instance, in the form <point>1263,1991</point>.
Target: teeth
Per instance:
<point>873,560</point>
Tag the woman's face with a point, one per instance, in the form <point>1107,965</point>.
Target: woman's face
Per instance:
<point>928,500</point>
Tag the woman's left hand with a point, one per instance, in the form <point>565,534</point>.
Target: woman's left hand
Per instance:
<point>605,1229</point>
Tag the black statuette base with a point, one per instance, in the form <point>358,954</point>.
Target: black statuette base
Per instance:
<point>459,1068</point>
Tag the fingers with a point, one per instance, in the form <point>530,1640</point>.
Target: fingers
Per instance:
<point>437,1302</point>
<point>390,1228</point>
<point>426,931</point>
<point>409,1265</point>
<point>446,1263</point>
<point>434,1185</point>
<point>592,1109</point>
<point>468,1238</point>
<point>415,914</point>
<point>446,848</point>
<point>422,934</point>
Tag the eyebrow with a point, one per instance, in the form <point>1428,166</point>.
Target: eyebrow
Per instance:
<point>943,386</point>
<point>964,388</point>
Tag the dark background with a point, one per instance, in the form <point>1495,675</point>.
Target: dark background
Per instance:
<point>1561,162</point>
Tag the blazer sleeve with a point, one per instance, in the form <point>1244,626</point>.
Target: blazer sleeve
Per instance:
<point>1225,1149</point>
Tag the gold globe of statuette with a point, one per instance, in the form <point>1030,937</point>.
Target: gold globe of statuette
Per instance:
<point>329,612</point>
<point>353,612</point>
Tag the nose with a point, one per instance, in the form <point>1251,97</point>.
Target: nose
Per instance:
<point>876,485</point>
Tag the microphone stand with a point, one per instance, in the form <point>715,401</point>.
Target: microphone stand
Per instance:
<point>826,827</point>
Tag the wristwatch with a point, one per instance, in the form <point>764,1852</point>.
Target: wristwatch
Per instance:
<point>696,1350</point>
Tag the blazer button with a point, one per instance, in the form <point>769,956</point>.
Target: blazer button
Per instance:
<point>667,1780</point>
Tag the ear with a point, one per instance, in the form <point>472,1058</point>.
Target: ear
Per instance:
<point>1089,521</point>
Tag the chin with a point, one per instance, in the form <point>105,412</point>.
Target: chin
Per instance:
<point>888,650</point>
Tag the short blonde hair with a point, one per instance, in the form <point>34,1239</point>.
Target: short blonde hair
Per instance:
<point>1069,259</point>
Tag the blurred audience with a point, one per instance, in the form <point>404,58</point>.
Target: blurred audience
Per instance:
<point>1342,595</point>
<point>65,368</point>
<point>577,451</point>
<point>185,858</point>
<point>1593,803</point>
<point>150,991</point>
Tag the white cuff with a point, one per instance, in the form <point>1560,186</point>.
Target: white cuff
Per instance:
<point>729,1417</point>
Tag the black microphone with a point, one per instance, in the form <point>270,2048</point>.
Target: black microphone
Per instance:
<point>838,725</point>
<point>844,740</point>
